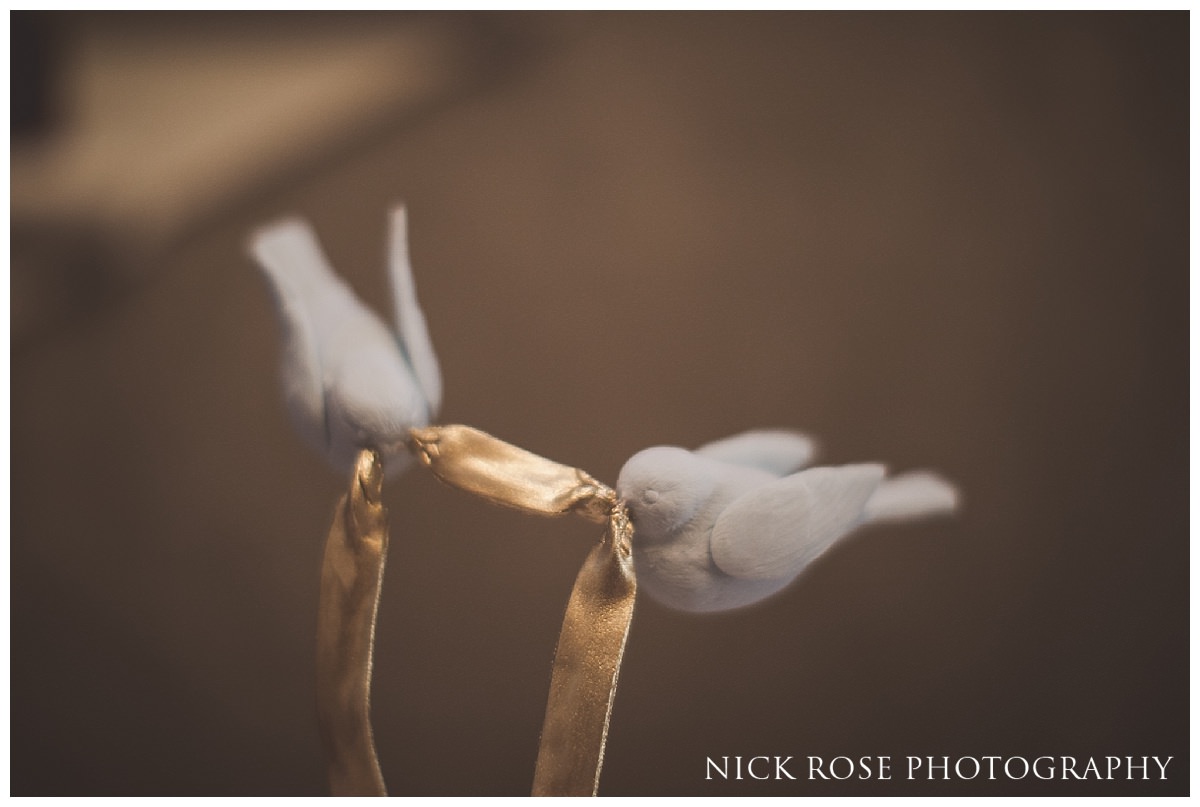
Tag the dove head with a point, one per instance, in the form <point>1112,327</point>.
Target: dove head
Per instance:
<point>664,487</point>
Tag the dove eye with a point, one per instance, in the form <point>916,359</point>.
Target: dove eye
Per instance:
<point>650,496</point>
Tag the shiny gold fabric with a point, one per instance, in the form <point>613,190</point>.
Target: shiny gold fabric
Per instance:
<point>586,664</point>
<point>351,575</point>
<point>500,472</point>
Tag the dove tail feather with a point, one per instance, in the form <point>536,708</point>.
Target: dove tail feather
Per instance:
<point>291,257</point>
<point>410,321</point>
<point>917,494</point>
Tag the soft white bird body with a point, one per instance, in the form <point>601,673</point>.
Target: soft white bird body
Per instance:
<point>349,381</point>
<point>736,520</point>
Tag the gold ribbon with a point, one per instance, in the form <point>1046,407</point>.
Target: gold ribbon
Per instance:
<point>478,463</point>
<point>351,575</point>
<point>592,640</point>
<point>586,664</point>
<point>587,659</point>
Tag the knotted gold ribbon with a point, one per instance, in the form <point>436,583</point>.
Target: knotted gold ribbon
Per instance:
<point>478,463</point>
<point>587,659</point>
<point>592,640</point>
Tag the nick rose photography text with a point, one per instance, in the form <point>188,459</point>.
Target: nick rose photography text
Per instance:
<point>841,768</point>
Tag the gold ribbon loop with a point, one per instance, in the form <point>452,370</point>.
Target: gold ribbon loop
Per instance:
<point>592,641</point>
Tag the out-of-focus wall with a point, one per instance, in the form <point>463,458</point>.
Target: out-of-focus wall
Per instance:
<point>956,241</point>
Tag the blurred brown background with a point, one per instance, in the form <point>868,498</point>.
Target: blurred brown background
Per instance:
<point>957,241</point>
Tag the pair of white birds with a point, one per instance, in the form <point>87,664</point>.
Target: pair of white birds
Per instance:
<point>716,528</point>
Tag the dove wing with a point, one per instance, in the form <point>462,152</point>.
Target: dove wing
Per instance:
<point>777,451</point>
<point>296,268</point>
<point>916,494</point>
<point>410,321</point>
<point>775,530</point>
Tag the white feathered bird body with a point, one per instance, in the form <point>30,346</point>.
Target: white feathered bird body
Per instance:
<point>734,522</point>
<point>349,381</point>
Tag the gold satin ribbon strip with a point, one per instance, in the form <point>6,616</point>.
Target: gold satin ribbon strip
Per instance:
<point>503,474</point>
<point>586,665</point>
<point>351,575</point>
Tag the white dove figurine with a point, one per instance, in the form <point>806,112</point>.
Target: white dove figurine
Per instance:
<point>734,522</point>
<point>349,381</point>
